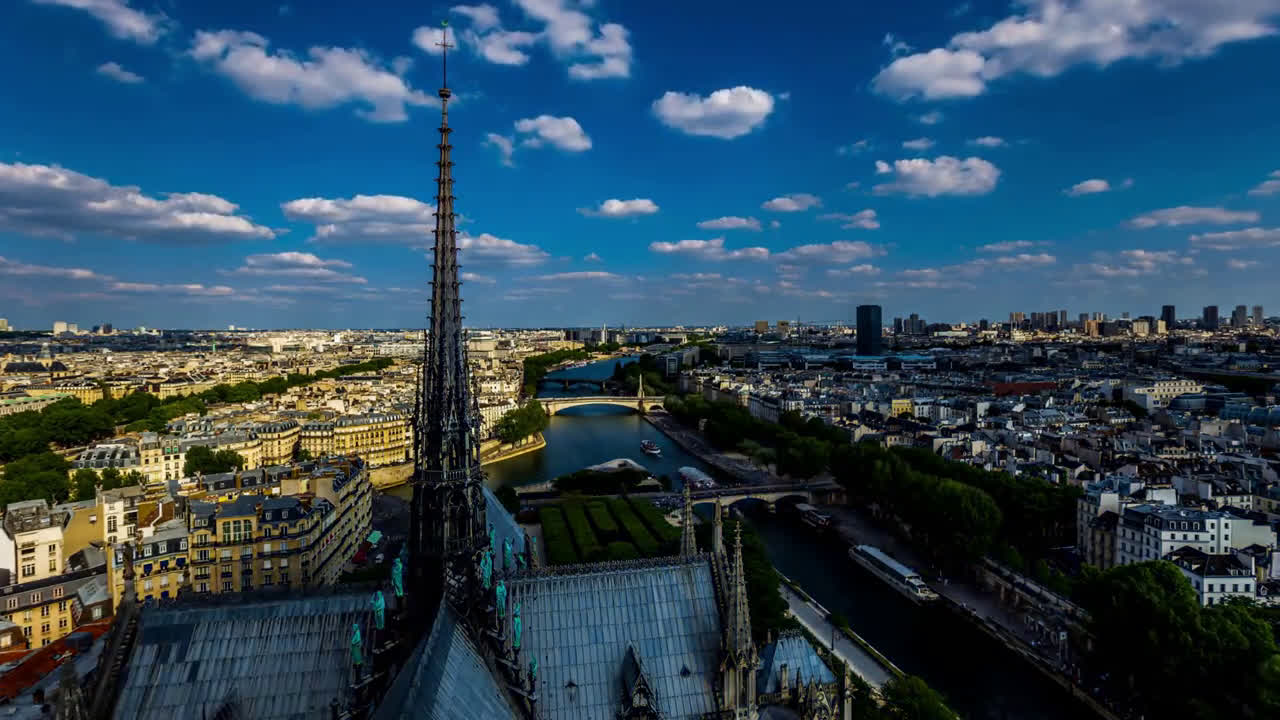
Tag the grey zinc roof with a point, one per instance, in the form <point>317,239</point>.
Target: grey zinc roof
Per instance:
<point>794,651</point>
<point>445,679</point>
<point>283,659</point>
<point>580,623</point>
<point>504,527</point>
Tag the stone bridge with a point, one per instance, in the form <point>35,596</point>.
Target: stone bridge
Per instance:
<point>566,382</point>
<point>819,493</point>
<point>554,405</point>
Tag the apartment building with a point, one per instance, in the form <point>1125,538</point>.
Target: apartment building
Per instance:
<point>118,513</point>
<point>121,455</point>
<point>156,564</point>
<point>31,541</point>
<point>300,539</point>
<point>279,441</point>
<point>377,438</point>
<point>1216,577</point>
<point>86,393</point>
<point>1153,394</point>
<point>1152,532</point>
<point>49,608</point>
<point>161,457</point>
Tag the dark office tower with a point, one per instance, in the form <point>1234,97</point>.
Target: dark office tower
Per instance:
<point>869,329</point>
<point>897,326</point>
<point>1257,315</point>
<point>1169,316</point>
<point>1084,318</point>
<point>915,326</point>
<point>1239,316</point>
<point>1062,319</point>
<point>1210,318</point>
<point>984,324</point>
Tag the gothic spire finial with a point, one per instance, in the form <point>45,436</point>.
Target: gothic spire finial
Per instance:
<point>740,615</point>
<point>688,544</point>
<point>444,61</point>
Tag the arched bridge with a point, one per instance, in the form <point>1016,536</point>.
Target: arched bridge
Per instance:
<point>566,382</point>
<point>554,405</point>
<point>820,493</point>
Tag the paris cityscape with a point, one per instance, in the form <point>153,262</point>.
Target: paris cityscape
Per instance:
<point>324,395</point>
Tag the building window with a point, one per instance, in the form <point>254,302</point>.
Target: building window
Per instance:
<point>11,603</point>
<point>97,613</point>
<point>53,550</point>
<point>53,565</point>
<point>35,598</point>
<point>44,611</point>
<point>111,524</point>
<point>62,606</point>
<point>146,585</point>
<point>44,628</point>
<point>146,551</point>
<point>162,547</point>
<point>28,570</point>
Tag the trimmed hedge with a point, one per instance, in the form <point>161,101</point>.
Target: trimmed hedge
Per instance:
<point>555,534</point>
<point>640,535</point>
<point>622,551</point>
<point>589,548</point>
<point>667,534</point>
<point>604,523</point>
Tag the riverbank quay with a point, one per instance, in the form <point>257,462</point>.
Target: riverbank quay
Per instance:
<point>693,443</point>
<point>874,669</point>
<point>391,476</point>
<point>974,604</point>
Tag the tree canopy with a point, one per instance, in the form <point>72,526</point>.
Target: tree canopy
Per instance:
<point>206,461</point>
<point>516,425</point>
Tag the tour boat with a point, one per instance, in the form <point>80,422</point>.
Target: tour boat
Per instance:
<point>810,516</point>
<point>695,478</point>
<point>650,447</point>
<point>899,576</point>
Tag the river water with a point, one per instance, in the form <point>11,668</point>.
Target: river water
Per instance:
<point>979,677</point>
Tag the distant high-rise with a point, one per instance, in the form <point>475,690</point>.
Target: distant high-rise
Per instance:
<point>1209,318</point>
<point>1239,316</point>
<point>897,326</point>
<point>784,327</point>
<point>762,327</point>
<point>1084,318</point>
<point>60,327</point>
<point>869,329</point>
<point>4,324</point>
<point>1257,314</point>
<point>1168,315</point>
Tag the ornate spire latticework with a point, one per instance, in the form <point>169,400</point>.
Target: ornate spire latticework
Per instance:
<point>739,660</point>
<point>688,543</point>
<point>739,615</point>
<point>447,529</point>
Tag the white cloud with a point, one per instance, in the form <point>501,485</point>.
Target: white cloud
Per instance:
<point>1023,260</point>
<point>365,219</point>
<point>592,257</point>
<point>1268,187</point>
<point>1188,215</point>
<point>477,278</point>
<point>561,132</point>
<point>1131,264</point>
<point>53,201</point>
<point>114,71</point>
<point>730,223</point>
<point>775,224</point>
<point>121,20</point>
<point>326,78</point>
<point>504,144</point>
<point>593,50</point>
<point>932,117</point>
<point>794,202</point>
<point>944,176</point>
<point>896,46</point>
<point>853,148</point>
<point>835,253</point>
<point>1050,36</point>
<point>302,265</point>
<point>614,208</point>
<point>1235,264</point>
<point>863,219</point>
<point>14,268</point>
<point>724,114</point>
<point>989,141</point>
<point>863,270</point>
<point>486,249</point>
<point>580,275</point>
<point>1007,246</point>
<point>1088,187</point>
<point>713,250</point>
<point>1247,239</point>
<point>923,143</point>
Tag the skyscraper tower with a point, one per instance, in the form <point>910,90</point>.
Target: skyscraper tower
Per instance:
<point>447,524</point>
<point>1169,315</point>
<point>1209,318</point>
<point>869,329</point>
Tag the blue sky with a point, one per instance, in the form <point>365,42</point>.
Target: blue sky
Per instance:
<point>193,164</point>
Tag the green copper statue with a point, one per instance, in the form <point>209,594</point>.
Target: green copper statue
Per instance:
<point>491,541</point>
<point>517,625</point>
<point>397,577</point>
<point>486,568</point>
<point>533,671</point>
<point>379,611</point>
<point>508,562</point>
<point>501,596</point>
<point>356,658</point>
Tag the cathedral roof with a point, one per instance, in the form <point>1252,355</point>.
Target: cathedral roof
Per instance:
<point>445,678</point>
<point>793,650</point>
<point>505,527</point>
<point>580,623</point>
<point>281,658</point>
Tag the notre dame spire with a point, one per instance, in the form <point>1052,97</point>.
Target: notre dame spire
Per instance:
<point>447,530</point>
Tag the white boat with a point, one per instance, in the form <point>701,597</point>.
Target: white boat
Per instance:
<point>695,478</point>
<point>810,516</point>
<point>899,576</point>
<point>650,447</point>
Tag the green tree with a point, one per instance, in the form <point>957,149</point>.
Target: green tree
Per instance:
<point>206,461</point>
<point>36,476</point>
<point>303,455</point>
<point>910,698</point>
<point>70,424</point>
<point>16,443</point>
<point>85,481</point>
<point>111,478</point>
<point>518,424</point>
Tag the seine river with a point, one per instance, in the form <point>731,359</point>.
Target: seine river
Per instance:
<point>980,678</point>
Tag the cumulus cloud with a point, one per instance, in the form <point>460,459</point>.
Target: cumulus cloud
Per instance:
<point>730,222</point>
<point>563,133</point>
<point>592,257</point>
<point>1088,187</point>
<point>1007,246</point>
<point>614,208</point>
<point>795,202</point>
<point>1236,264</point>
<point>1188,215</point>
<point>839,252</point>
<point>594,50</point>
<point>1131,263</point>
<point>114,71</point>
<point>863,270</point>
<point>13,268</point>
<point>1026,260</point>
<point>863,219</point>
<point>988,141</point>
<point>1050,36</point>
<point>1268,187</point>
<point>1247,239</point>
<point>53,201</point>
<point>923,143</point>
<point>945,175</point>
<point>486,249</point>
<point>477,278</point>
<point>932,117</point>
<point>713,250</point>
<point>853,148</point>
<point>326,78</point>
<point>300,265</point>
<point>393,219</point>
<point>121,20</point>
<point>504,144</point>
<point>598,275</point>
<point>725,114</point>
